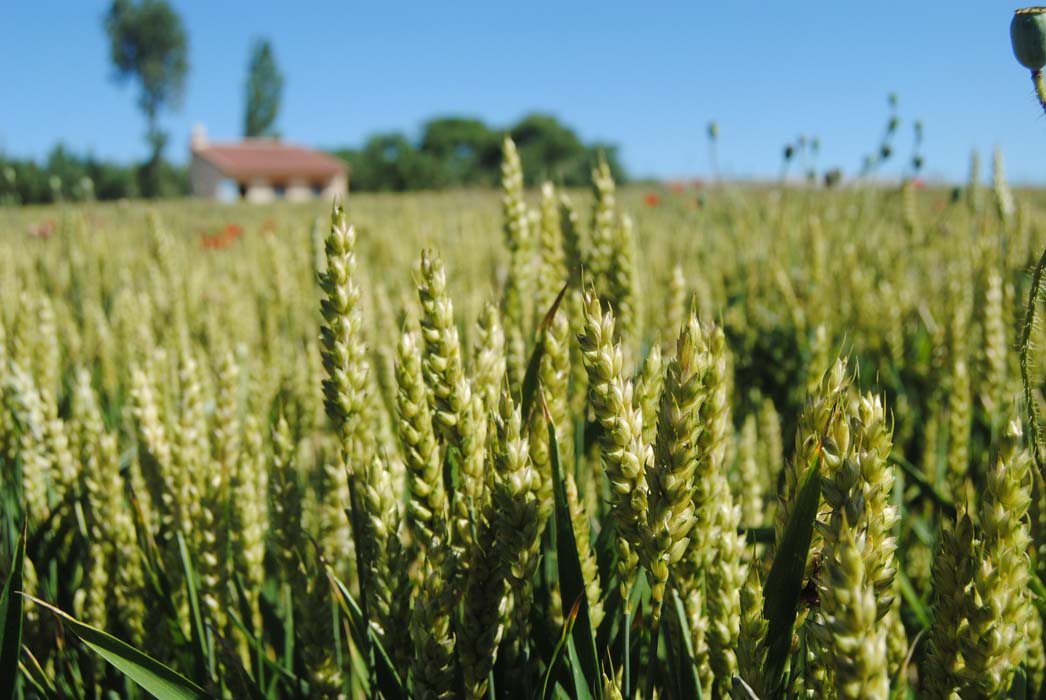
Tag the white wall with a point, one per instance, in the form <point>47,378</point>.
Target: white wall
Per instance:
<point>260,191</point>
<point>205,181</point>
<point>337,187</point>
<point>298,190</point>
<point>204,178</point>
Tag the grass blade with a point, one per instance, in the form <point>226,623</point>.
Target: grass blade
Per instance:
<point>362,624</point>
<point>34,674</point>
<point>386,678</point>
<point>11,619</point>
<point>758,535</point>
<point>684,666</point>
<point>915,603</point>
<point>626,653</point>
<point>271,664</point>
<point>35,682</point>
<point>204,662</point>
<point>1019,686</point>
<point>582,689</point>
<point>160,681</point>
<point>530,378</point>
<point>784,584</point>
<point>582,644</point>
<point>236,678</point>
<point>925,486</point>
<point>743,690</point>
<point>568,630</point>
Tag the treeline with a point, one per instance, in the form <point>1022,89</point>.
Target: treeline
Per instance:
<point>466,152</point>
<point>451,152</point>
<point>66,176</point>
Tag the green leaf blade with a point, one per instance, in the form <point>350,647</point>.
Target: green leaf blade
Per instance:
<point>568,630</point>
<point>531,377</point>
<point>582,642</point>
<point>784,584</point>
<point>159,680</point>
<point>11,619</point>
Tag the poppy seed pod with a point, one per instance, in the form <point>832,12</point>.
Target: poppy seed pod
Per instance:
<point>1028,35</point>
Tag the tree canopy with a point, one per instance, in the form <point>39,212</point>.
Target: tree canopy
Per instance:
<point>264,90</point>
<point>148,44</point>
<point>67,176</point>
<point>467,149</point>
<point>450,151</point>
<point>458,151</point>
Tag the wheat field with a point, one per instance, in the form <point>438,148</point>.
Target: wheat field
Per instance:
<point>719,442</point>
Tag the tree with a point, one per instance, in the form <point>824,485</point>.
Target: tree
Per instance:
<point>469,152</point>
<point>264,89</point>
<point>148,43</point>
<point>465,152</point>
<point>550,150</point>
<point>593,154</point>
<point>390,162</point>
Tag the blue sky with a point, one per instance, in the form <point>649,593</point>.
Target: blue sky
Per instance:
<point>648,78</point>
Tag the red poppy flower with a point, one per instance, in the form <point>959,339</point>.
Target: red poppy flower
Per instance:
<point>44,229</point>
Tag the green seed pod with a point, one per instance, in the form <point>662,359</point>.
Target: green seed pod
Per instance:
<point>1028,35</point>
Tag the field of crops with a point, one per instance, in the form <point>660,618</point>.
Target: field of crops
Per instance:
<point>686,442</point>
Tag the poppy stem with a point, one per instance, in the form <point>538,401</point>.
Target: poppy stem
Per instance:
<point>1040,86</point>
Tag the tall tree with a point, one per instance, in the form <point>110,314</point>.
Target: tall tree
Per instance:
<point>551,150</point>
<point>468,150</point>
<point>462,151</point>
<point>148,43</point>
<point>264,89</point>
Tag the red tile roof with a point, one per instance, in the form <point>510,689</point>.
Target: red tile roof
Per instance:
<point>270,159</point>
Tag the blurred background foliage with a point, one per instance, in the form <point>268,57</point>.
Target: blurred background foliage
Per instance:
<point>451,151</point>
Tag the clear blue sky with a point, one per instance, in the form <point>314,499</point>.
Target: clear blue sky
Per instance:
<point>645,77</point>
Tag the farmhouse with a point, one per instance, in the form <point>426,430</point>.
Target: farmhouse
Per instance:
<point>262,170</point>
